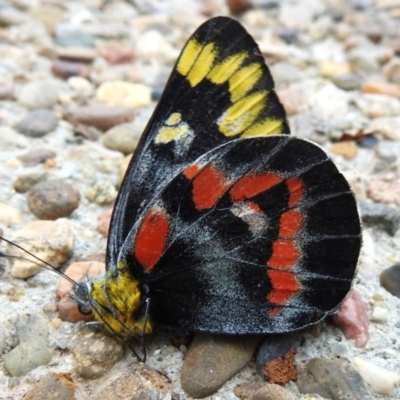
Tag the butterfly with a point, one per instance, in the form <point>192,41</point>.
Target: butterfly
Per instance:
<point>224,222</point>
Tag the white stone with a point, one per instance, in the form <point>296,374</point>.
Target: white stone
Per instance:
<point>9,215</point>
<point>380,379</point>
<point>379,314</point>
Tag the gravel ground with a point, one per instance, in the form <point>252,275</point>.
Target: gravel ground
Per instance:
<point>336,65</point>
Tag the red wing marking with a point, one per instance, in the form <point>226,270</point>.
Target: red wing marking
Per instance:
<point>191,171</point>
<point>289,223</point>
<point>284,254</point>
<point>254,207</point>
<point>296,191</point>
<point>284,286</point>
<point>151,237</point>
<point>208,186</point>
<point>251,185</point>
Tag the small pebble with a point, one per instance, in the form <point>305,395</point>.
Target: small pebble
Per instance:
<point>36,156</point>
<point>261,391</point>
<point>77,53</point>
<point>56,386</point>
<point>6,90</point>
<point>379,314</point>
<point>331,379</point>
<point>102,193</point>
<point>352,319</point>
<point>125,94</point>
<point>32,351</point>
<point>347,149</point>
<point>39,94</point>
<point>380,216</point>
<point>103,222</point>
<point>391,70</point>
<point>385,190</point>
<point>238,6</point>
<point>275,349</point>
<point>390,279</point>
<point>388,89</point>
<point>123,138</point>
<point>70,35</point>
<point>9,215</point>
<point>67,307</point>
<point>346,81</point>
<point>386,126</point>
<point>115,53</point>
<point>52,241</point>
<point>53,199</point>
<point>380,379</point>
<point>25,182</point>
<point>38,123</point>
<point>102,117</point>
<point>363,61</point>
<point>94,353</point>
<point>144,382</point>
<point>292,100</point>
<point>212,360</point>
<point>66,69</point>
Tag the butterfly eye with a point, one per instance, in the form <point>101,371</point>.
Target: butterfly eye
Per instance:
<point>85,309</point>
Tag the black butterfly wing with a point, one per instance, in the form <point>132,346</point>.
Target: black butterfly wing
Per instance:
<point>219,89</point>
<point>256,236</point>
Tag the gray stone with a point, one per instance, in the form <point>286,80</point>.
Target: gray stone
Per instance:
<point>123,138</point>
<point>70,35</point>
<point>332,379</point>
<point>347,81</point>
<point>364,61</point>
<point>381,216</point>
<point>39,94</point>
<point>261,391</point>
<point>32,350</point>
<point>38,123</point>
<point>390,279</point>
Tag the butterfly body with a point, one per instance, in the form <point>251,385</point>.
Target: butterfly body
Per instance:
<point>224,222</point>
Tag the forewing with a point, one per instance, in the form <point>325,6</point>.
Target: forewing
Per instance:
<point>260,236</point>
<point>220,89</point>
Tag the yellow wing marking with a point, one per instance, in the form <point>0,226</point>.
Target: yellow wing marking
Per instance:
<point>173,129</point>
<point>202,65</point>
<point>188,56</point>
<point>267,126</point>
<point>242,114</point>
<point>244,80</point>
<point>225,69</point>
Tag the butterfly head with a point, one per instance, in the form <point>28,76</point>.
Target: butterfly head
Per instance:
<point>115,300</point>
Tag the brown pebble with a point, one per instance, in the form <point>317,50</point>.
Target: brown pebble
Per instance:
<point>35,157</point>
<point>213,359</point>
<point>388,89</point>
<point>281,370</point>
<point>103,222</point>
<point>115,53</point>
<point>66,69</point>
<point>261,391</point>
<point>390,279</point>
<point>352,319</point>
<point>347,149</point>
<point>56,386</point>
<point>25,182</point>
<point>238,6</point>
<point>88,132</point>
<point>138,379</point>
<point>102,117</point>
<point>53,199</point>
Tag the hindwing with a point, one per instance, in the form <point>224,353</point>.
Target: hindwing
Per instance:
<point>257,236</point>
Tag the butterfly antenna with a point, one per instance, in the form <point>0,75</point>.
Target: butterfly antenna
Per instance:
<point>41,263</point>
